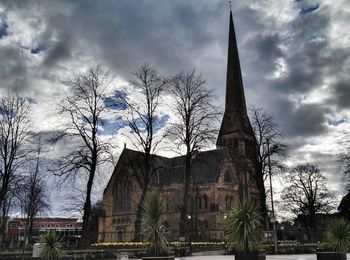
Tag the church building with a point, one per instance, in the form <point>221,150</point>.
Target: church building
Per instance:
<point>219,177</point>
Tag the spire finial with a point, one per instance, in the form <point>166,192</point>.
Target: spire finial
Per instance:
<point>230,2</point>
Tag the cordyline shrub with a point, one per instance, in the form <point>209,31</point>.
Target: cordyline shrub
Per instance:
<point>242,225</point>
<point>50,247</point>
<point>338,235</point>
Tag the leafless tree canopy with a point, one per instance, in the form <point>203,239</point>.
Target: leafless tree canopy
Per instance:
<point>195,125</point>
<point>306,193</point>
<point>84,106</point>
<point>344,160</point>
<point>143,112</point>
<point>142,115</point>
<point>14,145</point>
<point>195,112</point>
<point>266,129</point>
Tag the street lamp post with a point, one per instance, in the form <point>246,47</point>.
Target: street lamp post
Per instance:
<point>189,233</point>
<point>271,194</point>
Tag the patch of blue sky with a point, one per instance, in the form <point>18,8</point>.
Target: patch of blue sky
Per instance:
<point>111,126</point>
<point>31,100</point>
<point>37,50</point>
<point>116,102</point>
<point>336,122</point>
<point>308,9</point>
<point>3,29</point>
<point>158,123</point>
<point>6,111</point>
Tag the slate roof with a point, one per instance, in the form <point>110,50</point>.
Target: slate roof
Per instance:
<point>205,166</point>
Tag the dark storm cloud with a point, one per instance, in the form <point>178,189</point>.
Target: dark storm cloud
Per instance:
<point>125,34</point>
<point>264,49</point>
<point>299,120</point>
<point>59,52</point>
<point>307,120</point>
<point>341,94</point>
<point>13,68</point>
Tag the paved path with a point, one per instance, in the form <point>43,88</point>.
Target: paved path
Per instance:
<point>231,257</point>
<point>215,256</point>
<point>268,257</point>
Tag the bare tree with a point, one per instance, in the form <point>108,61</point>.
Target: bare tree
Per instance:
<point>344,159</point>
<point>14,145</point>
<point>142,118</point>
<point>84,107</point>
<point>33,198</point>
<point>267,134</point>
<point>306,194</point>
<point>194,128</point>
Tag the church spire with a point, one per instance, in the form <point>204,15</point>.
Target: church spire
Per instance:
<point>235,121</point>
<point>235,100</point>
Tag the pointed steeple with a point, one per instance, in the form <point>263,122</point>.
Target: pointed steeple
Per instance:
<point>235,121</point>
<point>235,100</point>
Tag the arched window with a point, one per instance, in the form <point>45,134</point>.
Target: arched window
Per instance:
<point>228,201</point>
<point>120,236</point>
<point>227,177</point>
<point>122,196</point>
<point>205,201</point>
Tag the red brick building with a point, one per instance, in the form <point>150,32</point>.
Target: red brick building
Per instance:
<point>67,227</point>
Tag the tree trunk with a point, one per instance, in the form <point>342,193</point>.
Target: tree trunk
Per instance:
<point>262,198</point>
<point>184,209</point>
<point>87,208</point>
<point>3,223</point>
<point>25,238</point>
<point>138,220</point>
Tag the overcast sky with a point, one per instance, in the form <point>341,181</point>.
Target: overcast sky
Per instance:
<point>295,56</point>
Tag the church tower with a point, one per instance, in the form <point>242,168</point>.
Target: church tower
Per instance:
<point>236,132</point>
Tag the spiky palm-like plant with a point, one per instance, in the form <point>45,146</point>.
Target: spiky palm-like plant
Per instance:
<point>154,208</point>
<point>50,246</point>
<point>338,235</point>
<point>242,223</point>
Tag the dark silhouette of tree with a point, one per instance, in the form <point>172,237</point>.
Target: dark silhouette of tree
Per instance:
<point>306,195</point>
<point>266,130</point>
<point>96,212</point>
<point>142,118</point>
<point>344,206</point>
<point>344,160</point>
<point>83,107</point>
<point>14,146</point>
<point>194,127</point>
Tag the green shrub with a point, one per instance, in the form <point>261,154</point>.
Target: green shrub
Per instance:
<point>50,247</point>
<point>154,208</point>
<point>338,235</point>
<point>242,224</point>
